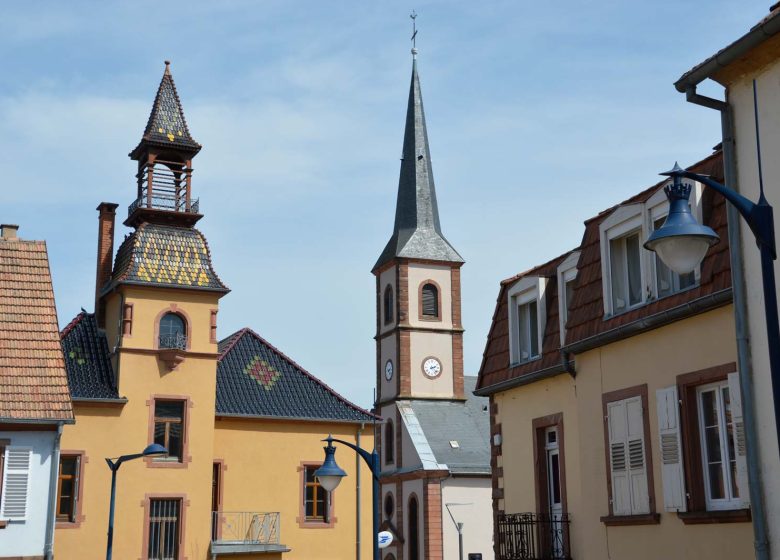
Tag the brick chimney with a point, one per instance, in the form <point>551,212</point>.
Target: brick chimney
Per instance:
<point>105,254</point>
<point>8,231</point>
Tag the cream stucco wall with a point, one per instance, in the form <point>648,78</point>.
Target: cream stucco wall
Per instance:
<point>388,350</point>
<point>418,274</point>
<point>740,96</point>
<point>387,278</point>
<point>477,517</point>
<point>424,345</point>
<point>409,488</point>
<point>654,358</point>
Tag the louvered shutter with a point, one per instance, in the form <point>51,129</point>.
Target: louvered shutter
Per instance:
<point>618,440</point>
<point>16,482</point>
<point>637,462</point>
<point>671,449</point>
<point>740,450</point>
<point>430,301</point>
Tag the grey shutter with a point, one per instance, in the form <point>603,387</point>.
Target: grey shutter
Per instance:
<point>671,449</point>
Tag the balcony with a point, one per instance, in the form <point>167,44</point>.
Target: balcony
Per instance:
<point>164,189</point>
<point>245,532</point>
<point>533,536</point>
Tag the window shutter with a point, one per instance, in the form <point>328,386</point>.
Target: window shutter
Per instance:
<point>618,444</point>
<point>16,482</point>
<point>671,449</point>
<point>740,449</point>
<point>637,462</point>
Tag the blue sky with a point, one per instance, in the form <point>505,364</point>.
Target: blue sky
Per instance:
<point>540,114</point>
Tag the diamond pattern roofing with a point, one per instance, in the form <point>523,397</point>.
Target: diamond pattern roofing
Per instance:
<point>33,384</point>
<point>90,375</point>
<point>255,379</point>
<point>166,256</point>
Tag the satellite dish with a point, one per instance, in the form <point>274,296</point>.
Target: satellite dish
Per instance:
<point>385,539</point>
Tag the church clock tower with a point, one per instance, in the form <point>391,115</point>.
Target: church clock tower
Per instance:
<point>419,338</point>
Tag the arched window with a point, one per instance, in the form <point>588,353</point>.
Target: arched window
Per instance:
<point>389,443</point>
<point>388,307</point>
<point>414,530</point>
<point>173,331</point>
<point>429,297</point>
<point>389,506</point>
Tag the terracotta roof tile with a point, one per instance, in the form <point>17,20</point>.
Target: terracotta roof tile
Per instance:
<point>33,384</point>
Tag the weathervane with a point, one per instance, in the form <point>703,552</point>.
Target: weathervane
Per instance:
<point>413,15</point>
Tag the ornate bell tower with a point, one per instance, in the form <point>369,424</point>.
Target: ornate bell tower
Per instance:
<point>419,339</point>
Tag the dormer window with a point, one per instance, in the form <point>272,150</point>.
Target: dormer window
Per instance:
<point>173,331</point>
<point>527,318</point>
<point>625,271</point>
<point>567,274</point>
<point>388,304</point>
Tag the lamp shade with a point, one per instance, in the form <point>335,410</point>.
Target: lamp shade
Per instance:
<point>681,242</point>
<point>154,449</point>
<point>330,474</point>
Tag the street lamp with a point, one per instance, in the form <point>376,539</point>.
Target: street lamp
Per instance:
<point>153,450</point>
<point>681,244</point>
<point>330,475</point>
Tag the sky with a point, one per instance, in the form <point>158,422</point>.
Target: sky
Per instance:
<point>540,115</point>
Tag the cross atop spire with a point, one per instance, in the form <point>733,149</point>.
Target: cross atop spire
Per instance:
<point>166,125</point>
<point>417,232</point>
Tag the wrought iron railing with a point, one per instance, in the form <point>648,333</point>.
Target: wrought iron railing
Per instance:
<point>173,341</point>
<point>245,527</point>
<point>164,203</point>
<point>533,536</point>
<point>165,185</point>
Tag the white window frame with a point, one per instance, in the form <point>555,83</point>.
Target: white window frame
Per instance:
<point>658,207</point>
<point>730,501</point>
<point>567,271</point>
<point>622,221</point>
<point>525,290</point>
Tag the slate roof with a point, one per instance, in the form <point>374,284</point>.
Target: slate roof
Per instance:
<point>166,125</point>
<point>33,384</point>
<point>87,361</point>
<point>417,231</point>
<point>467,423</point>
<point>255,379</point>
<point>165,256</point>
<point>495,360</point>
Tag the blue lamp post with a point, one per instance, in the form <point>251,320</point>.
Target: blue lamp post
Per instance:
<point>681,244</point>
<point>153,450</point>
<point>330,475</point>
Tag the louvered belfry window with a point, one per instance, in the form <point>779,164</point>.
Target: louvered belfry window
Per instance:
<point>430,301</point>
<point>388,305</point>
<point>164,529</point>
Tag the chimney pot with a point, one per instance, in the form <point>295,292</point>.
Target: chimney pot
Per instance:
<point>8,231</point>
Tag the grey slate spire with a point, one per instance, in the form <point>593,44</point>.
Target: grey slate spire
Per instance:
<point>417,232</point>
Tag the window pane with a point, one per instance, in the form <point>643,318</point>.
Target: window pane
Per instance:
<point>68,465</point>
<point>66,507</point>
<point>163,529</point>
<point>617,273</point>
<point>533,328</point>
<point>709,408</point>
<point>309,474</point>
<point>159,433</point>
<point>730,443</point>
<point>171,324</point>
<point>568,294</point>
<point>174,440</point>
<point>556,480</point>
<point>169,409</point>
<point>716,481</point>
<point>523,335</point>
<point>634,269</point>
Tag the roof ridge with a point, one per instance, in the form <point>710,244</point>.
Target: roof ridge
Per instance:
<point>248,330</point>
<point>73,322</point>
<point>236,336</point>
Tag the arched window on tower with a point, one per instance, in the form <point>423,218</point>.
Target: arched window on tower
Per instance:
<point>389,443</point>
<point>429,297</point>
<point>414,530</point>
<point>388,304</point>
<point>173,331</point>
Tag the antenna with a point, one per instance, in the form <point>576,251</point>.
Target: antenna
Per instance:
<point>413,15</point>
<point>758,141</point>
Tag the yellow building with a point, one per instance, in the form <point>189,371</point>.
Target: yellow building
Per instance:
<point>615,407</point>
<point>241,421</point>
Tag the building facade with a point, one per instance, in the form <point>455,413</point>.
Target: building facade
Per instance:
<point>615,401</point>
<point>241,421</point>
<point>34,400</point>
<point>434,440</point>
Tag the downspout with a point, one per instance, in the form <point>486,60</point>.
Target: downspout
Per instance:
<point>357,493</point>
<point>744,362</point>
<point>48,547</point>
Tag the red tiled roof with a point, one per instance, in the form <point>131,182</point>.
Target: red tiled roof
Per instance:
<point>33,383</point>
<point>586,315</point>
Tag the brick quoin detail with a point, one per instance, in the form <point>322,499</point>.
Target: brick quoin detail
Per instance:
<point>404,364</point>
<point>455,296</point>
<point>403,293</point>
<point>457,365</point>
<point>432,528</point>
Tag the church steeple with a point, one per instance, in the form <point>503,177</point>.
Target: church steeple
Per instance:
<point>417,232</point>
<point>164,157</point>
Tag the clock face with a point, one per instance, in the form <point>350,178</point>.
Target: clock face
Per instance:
<point>431,367</point>
<point>389,370</point>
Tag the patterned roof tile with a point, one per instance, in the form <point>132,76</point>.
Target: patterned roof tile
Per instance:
<point>33,383</point>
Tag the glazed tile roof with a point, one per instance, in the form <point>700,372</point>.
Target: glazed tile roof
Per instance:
<point>495,360</point>
<point>166,125</point>
<point>586,309</point>
<point>255,379</point>
<point>33,383</point>
<point>165,256</point>
<point>90,375</point>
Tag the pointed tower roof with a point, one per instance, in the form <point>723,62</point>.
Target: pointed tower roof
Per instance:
<point>166,125</point>
<point>417,231</point>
